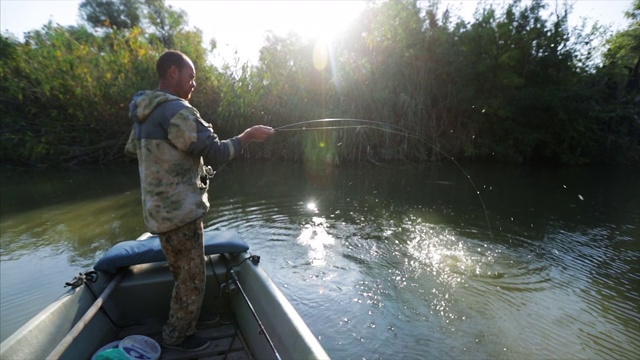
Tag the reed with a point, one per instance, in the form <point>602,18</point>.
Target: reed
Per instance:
<point>508,86</point>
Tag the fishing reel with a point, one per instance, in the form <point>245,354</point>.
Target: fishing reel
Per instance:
<point>81,279</point>
<point>232,286</point>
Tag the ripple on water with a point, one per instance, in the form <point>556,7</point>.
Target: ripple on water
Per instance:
<point>602,280</point>
<point>407,275</point>
<point>26,300</point>
<point>362,280</point>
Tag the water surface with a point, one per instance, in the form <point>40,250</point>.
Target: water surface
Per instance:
<point>380,261</point>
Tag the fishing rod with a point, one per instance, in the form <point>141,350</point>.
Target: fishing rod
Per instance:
<point>370,122</point>
<point>379,125</point>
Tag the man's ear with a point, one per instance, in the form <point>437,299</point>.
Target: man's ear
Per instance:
<point>174,72</point>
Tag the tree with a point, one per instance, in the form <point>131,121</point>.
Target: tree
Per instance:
<point>512,85</point>
<point>162,22</point>
<point>623,54</point>
<point>65,93</point>
<point>618,87</point>
<point>119,14</point>
<point>166,21</point>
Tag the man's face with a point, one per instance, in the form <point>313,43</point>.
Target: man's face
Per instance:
<point>186,81</point>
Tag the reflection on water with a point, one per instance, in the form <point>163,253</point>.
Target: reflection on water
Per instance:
<point>315,236</point>
<point>53,225</point>
<point>385,262</point>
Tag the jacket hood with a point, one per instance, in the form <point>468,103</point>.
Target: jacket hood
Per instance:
<point>144,102</point>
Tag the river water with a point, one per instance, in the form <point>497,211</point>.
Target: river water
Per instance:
<point>382,262</point>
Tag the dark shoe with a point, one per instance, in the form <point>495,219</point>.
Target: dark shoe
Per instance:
<point>191,343</point>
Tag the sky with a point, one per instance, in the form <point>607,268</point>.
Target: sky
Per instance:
<point>239,27</point>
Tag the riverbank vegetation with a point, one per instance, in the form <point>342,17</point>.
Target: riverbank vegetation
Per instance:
<point>515,84</point>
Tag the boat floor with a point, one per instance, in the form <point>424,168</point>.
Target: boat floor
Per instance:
<point>225,341</point>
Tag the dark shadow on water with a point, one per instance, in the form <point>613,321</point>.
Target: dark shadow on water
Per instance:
<point>74,211</point>
<point>28,189</point>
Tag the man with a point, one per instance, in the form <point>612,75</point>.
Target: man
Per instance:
<point>175,150</point>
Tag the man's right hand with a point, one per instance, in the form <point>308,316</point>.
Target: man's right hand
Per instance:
<point>256,133</point>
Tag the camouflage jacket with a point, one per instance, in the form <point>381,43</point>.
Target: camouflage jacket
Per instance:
<point>175,148</point>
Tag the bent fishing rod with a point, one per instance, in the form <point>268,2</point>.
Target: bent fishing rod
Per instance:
<point>377,125</point>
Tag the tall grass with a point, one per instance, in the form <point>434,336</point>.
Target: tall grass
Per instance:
<point>510,85</point>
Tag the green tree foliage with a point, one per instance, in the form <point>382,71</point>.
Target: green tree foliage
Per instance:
<point>387,77</point>
<point>166,21</point>
<point>619,86</point>
<point>74,110</point>
<point>514,84</point>
<point>162,22</point>
<point>207,96</point>
<point>291,84</point>
<point>119,14</point>
<point>66,90</point>
<point>624,47</point>
<point>522,73</point>
<point>623,54</point>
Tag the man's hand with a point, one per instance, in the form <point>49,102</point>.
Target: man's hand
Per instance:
<point>256,133</point>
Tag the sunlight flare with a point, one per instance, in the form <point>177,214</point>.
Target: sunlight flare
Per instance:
<point>311,206</point>
<point>317,239</point>
<point>321,54</point>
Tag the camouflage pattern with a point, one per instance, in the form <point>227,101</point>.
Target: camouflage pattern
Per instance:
<point>184,249</point>
<point>175,148</point>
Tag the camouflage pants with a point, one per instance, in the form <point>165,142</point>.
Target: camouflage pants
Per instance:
<point>184,249</point>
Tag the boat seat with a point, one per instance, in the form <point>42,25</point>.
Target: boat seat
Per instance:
<point>134,252</point>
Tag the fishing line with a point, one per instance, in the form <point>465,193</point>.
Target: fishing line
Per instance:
<point>379,125</point>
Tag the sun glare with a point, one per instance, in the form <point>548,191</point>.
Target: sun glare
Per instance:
<point>316,19</point>
<point>312,206</point>
<point>321,54</point>
<point>240,27</point>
